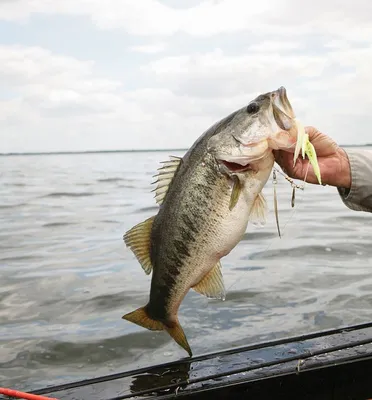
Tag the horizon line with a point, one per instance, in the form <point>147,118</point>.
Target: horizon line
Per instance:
<point>39,153</point>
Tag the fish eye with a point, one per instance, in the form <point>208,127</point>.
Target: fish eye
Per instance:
<point>252,108</point>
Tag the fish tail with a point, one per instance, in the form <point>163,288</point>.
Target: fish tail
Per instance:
<point>141,318</point>
<point>174,328</point>
<point>176,332</point>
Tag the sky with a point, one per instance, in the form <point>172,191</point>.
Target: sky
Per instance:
<point>148,74</point>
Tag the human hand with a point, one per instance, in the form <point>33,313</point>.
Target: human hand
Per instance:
<point>333,161</point>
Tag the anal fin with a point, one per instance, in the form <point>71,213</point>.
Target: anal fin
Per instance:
<point>212,284</point>
<point>138,240</point>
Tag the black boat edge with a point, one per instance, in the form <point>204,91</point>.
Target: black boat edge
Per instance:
<point>332,364</point>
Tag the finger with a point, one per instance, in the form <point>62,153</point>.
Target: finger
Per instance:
<point>278,155</point>
<point>281,157</point>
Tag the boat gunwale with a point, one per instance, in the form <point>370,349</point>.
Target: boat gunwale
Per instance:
<point>234,350</point>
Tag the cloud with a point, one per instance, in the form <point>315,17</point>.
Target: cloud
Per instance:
<point>65,104</point>
<point>217,74</point>
<point>146,17</point>
<point>201,62</point>
<point>54,96</point>
<point>61,103</point>
<point>49,81</point>
<point>274,46</point>
<point>149,49</point>
<point>339,18</point>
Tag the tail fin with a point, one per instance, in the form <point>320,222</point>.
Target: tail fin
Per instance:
<point>177,333</point>
<point>141,318</point>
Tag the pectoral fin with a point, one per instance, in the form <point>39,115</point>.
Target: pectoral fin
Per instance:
<point>236,190</point>
<point>212,285</point>
<point>138,240</point>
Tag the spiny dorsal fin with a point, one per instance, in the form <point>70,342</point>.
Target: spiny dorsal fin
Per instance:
<point>138,240</point>
<point>259,211</point>
<point>165,176</point>
<point>212,284</point>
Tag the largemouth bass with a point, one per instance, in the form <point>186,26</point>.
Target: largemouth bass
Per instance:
<point>207,198</point>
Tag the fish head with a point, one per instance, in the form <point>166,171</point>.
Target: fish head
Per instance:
<point>242,140</point>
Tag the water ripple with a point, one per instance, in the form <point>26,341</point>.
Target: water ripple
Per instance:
<point>70,194</point>
<point>67,278</point>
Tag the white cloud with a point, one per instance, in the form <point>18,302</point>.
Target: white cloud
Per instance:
<point>54,102</point>
<point>153,48</point>
<point>61,103</point>
<point>50,81</point>
<point>274,46</point>
<point>341,18</point>
<point>146,17</point>
<point>216,75</point>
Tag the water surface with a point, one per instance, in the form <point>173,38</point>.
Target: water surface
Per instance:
<point>67,278</point>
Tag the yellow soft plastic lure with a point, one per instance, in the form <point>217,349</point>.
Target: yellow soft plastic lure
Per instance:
<point>303,144</point>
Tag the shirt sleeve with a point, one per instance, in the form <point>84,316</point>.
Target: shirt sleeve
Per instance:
<point>359,196</point>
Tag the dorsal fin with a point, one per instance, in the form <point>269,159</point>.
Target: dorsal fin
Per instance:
<point>165,176</point>
<point>138,240</point>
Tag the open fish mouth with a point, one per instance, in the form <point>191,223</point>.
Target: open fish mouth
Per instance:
<point>236,167</point>
<point>249,157</point>
<point>282,109</point>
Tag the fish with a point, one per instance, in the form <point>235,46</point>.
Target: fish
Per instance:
<point>206,200</point>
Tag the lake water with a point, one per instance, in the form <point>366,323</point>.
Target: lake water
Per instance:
<point>67,278</point>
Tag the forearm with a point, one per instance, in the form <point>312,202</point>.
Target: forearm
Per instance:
<point>359,196</point>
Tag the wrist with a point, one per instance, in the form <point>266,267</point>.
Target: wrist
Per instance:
<point>339,175</point>
<point>344,175</point>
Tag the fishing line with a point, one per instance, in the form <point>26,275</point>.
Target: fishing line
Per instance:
<point>293,212</point>
<point>294,187</point>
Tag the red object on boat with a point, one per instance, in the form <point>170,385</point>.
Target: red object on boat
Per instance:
<point>23,395</point>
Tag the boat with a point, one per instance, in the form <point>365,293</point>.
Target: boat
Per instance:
<point>331,364</point>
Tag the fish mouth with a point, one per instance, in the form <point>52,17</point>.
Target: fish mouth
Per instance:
<point>241,163</point>
<point>282,109</point>
<point>236,167</point>
<point>247,157</point>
